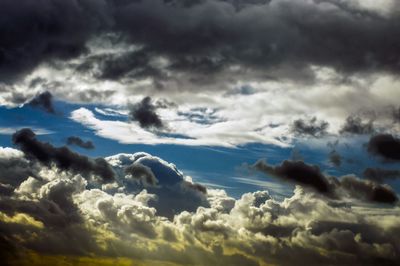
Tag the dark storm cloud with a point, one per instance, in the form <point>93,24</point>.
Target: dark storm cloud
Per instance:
<point>311,127</point>
<point>144,112</point>
<point>73,140</point>
<point>114,67</point>
<point>201,37</point>
<point>368,190</point>
<point>44,101</point>
<point>297,172</point>
<point>385,146</point>
<point>355,125</point>
<point>311,176</point>
<point>62,157</point>
<point>380,175</point>
<point>13,171</point>
<point>32,32</point>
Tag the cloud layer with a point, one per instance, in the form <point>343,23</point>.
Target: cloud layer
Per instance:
<point>152,213</point>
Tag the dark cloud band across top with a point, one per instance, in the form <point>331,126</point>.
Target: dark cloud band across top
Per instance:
<point>201,37</point>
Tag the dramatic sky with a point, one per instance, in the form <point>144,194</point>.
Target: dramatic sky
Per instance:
<point>199,132</point>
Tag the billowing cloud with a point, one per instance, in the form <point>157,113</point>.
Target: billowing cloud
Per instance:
<point>73,140</point>
<point>143,171</point>
<point>42,215</point>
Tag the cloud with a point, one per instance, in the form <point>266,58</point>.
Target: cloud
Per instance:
<point>60,207</point>
<point>311,127</point>
<point>298,172</point>
<point>219,133</point>
<point>385,146</point>
<point>335,158</point>
<point>380,175</point>
<point>354,125</point>
<point>33,34</point>
<point>144,113</point>
<point>396,114</point>
<point>202,39</point>
<point>143,171</point>
<point>62,157</point>
<point>368,190</point>
<point>73,140</point>
<point>310,176</point>
<point>44,101</point>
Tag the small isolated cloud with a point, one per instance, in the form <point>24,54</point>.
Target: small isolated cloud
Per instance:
<point>144,112</point>
<point>311,127</point>
<point>73,140</point>
<point>335,158</point>
<point>355,125</point>
<point>43,101</point>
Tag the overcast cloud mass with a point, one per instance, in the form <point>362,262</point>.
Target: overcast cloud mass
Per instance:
<point>199,132</point>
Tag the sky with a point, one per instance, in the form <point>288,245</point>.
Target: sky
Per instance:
<point>199,132</point>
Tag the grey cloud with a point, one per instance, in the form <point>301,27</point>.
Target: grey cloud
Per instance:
<point>385,146</point>
<point>335,158</point>
<point>396,114</point>
<point>202,38</point>
<point>44,101</point>
<point>298,172</point>
<point>64,158</point>
<point>380,175</point>
<point>144,112</point>
<point>142,173</point>
<point>310,176</point>
<point>355,125</point>
<point>311,127</point>
<point>368,190</point>
<point>32,34</point>
<point>73,140</point>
